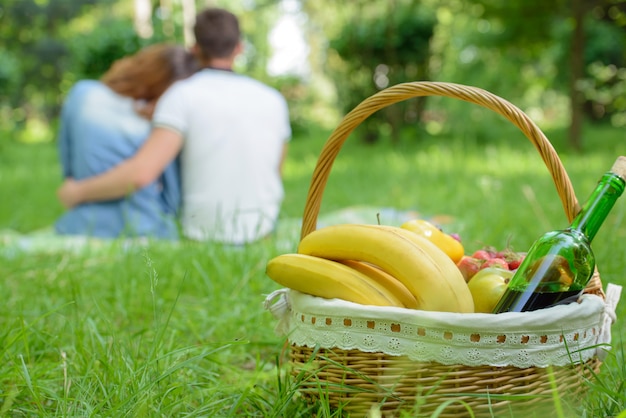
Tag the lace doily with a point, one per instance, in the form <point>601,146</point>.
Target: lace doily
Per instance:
<point>556,336</point>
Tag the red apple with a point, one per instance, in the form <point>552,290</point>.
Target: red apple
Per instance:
<point>469,266</point>
<point>496,262</point>
<point>482,255</point>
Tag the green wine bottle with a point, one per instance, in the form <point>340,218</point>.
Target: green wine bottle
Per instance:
<point>559,265</point>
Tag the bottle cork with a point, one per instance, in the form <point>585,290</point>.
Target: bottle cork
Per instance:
<point>619,167</point>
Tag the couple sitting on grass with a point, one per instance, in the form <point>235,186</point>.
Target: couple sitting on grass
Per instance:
<point>166,129</point>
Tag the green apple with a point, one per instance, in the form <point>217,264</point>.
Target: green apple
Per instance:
<point>487,287</point>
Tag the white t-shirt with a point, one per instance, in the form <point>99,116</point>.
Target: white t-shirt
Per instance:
<point>234,130</point>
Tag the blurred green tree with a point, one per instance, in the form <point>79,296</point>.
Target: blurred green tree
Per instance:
<point>578,34</point>
<point>35,55</point>
<point>383,44</point>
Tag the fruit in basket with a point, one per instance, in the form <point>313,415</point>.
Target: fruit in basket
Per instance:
<point>447,243</point>
<point>469,266</point>
<point>427,272</point>
<point>495,262</point>
<point>441,259</point>
<point>513,258</point>
<point>487,287</point>
<point>487,257</point>
<point>328,279</point>
<point>386,280</point>
<point>483,254</point>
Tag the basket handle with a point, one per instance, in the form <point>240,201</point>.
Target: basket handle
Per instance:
<point>405,91</point>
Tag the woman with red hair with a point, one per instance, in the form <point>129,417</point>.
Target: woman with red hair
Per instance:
<point>104,122</point>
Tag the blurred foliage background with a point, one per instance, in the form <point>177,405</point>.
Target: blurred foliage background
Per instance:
<point>563,62</point>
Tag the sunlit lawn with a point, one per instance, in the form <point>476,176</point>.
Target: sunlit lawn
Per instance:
<point>179,330</point>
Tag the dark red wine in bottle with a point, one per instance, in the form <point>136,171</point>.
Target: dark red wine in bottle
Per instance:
<point>559,265</point>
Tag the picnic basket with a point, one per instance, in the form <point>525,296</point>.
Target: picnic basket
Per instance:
<point>351,356</point>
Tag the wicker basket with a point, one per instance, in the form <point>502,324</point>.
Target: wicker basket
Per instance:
<point>357,381</point>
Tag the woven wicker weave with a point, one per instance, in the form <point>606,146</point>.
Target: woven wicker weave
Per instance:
<point>357,381</point>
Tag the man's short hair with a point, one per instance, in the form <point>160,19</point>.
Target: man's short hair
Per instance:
<point>217,33</point>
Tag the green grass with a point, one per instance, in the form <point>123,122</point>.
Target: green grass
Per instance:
<point>162,330</point>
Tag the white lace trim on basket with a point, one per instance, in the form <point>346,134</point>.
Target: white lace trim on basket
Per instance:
<point>556,336</point>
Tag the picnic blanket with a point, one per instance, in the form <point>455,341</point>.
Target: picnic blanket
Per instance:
<point>287,233</point>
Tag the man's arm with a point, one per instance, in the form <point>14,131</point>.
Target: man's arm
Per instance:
<point>143,168</point>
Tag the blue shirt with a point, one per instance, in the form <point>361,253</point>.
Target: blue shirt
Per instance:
<point>98,130</point>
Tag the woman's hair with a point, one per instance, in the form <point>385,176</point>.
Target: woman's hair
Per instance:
<point>217,33</point>
<point>149,72</point>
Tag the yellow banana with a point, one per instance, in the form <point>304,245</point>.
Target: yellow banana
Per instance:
<point>328,279</point>
<point>399,256</point>
<point>445,263</point>
<point>386,280</point>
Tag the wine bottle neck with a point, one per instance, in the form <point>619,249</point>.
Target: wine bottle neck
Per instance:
<point>598,206</point>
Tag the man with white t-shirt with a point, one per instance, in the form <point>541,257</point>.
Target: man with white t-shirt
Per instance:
<point>231,132</point>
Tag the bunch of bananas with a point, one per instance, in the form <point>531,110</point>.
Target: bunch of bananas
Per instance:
<point>374,265</point>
